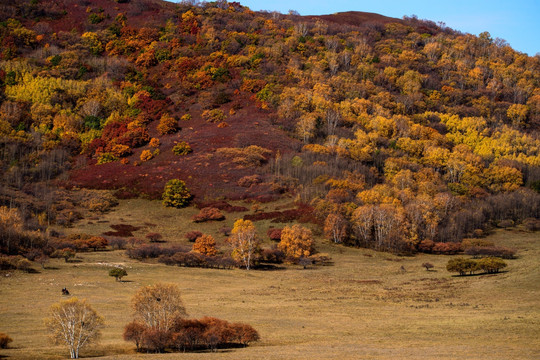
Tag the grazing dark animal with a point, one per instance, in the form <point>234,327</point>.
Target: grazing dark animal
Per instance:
<point>65,291</point>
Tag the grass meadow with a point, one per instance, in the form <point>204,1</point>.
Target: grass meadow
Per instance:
<point>367,305</point>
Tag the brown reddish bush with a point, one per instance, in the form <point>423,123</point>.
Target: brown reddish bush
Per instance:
<point>97,243</point>
<point>272,256</point>
<point>491,251</point>
<point>191,236</point>
<point>117,243</point>
<point>134,331</point>
<point>531,224</point>
<point>448,248</point>
<point>152,251</point>
<point>248,181</point>
<point>426,246</point>
<point>274,234</point>
<point>505,223</point>
<point>4,340</point>
<point>226,231</point>
<point>154,237</point>
<point>208,214</point>
<point>156,340</point>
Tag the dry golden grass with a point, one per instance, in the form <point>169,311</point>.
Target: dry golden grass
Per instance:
<point>365,306</point>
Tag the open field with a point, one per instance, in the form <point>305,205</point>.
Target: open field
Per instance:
<point>365,306</point>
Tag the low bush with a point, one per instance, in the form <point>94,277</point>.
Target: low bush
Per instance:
<point>154,237</point>
<point>248,181</point>
<point>215,115</point>
<point>467,243</point>
<point>182,148</point>
<point>153,251</point>
<point>274,234</point>
<point>117,243</point>
<point>191,335</point>
<point>531,224</point>
<point>491,251</point>
<point>4,340</point>
<point>191,236</point>
<point>448,248</point>
<point>208,214</point>
<point>505,223</point>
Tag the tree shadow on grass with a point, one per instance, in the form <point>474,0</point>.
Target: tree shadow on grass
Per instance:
<point>269,267</point>
<point>481,274</point>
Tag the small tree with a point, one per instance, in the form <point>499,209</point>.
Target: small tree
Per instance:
<point>75,323</point>
<point>244,241</point>
<point>158,306</point>
<point>296,241</point>
<point>176,194</point>
<point>134,331</point>
<point>118,273</point>
<point>428,266</point>
<point>462,266</point>
<point>205,245</point>
<point>491,264</point>
<point>335,228</point>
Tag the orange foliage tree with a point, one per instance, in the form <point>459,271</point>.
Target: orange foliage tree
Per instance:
<point>296,241</point>
<point>205,245</point>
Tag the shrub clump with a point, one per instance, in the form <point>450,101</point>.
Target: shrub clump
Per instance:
<point>167,125</point>
<point>248,181</point>
<point>4,340</point>
<point>190,335</point>
<point>208,214</point>
<point>491,251</point>
<point>215,115</point>
<point>463,266</point>
<point>252,155</point>
<point>182,148</point>
<point>191,236</point>
<point>274,234</point>
<point>176,194</point>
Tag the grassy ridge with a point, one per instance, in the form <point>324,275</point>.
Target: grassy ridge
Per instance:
<point>364,307</point>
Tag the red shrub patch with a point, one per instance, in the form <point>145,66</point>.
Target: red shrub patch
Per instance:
<point>274,234</point>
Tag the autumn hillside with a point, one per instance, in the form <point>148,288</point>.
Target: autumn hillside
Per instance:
<point>396,134</point>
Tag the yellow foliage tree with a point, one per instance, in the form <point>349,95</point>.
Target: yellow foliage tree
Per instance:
<point>244,242</point>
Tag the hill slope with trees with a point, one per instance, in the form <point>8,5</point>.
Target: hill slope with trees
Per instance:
<point>401,134</point>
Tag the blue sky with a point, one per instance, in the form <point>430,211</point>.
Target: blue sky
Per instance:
<point>516,21</point>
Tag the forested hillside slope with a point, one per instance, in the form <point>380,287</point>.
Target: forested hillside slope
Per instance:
<point>401,134</point>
